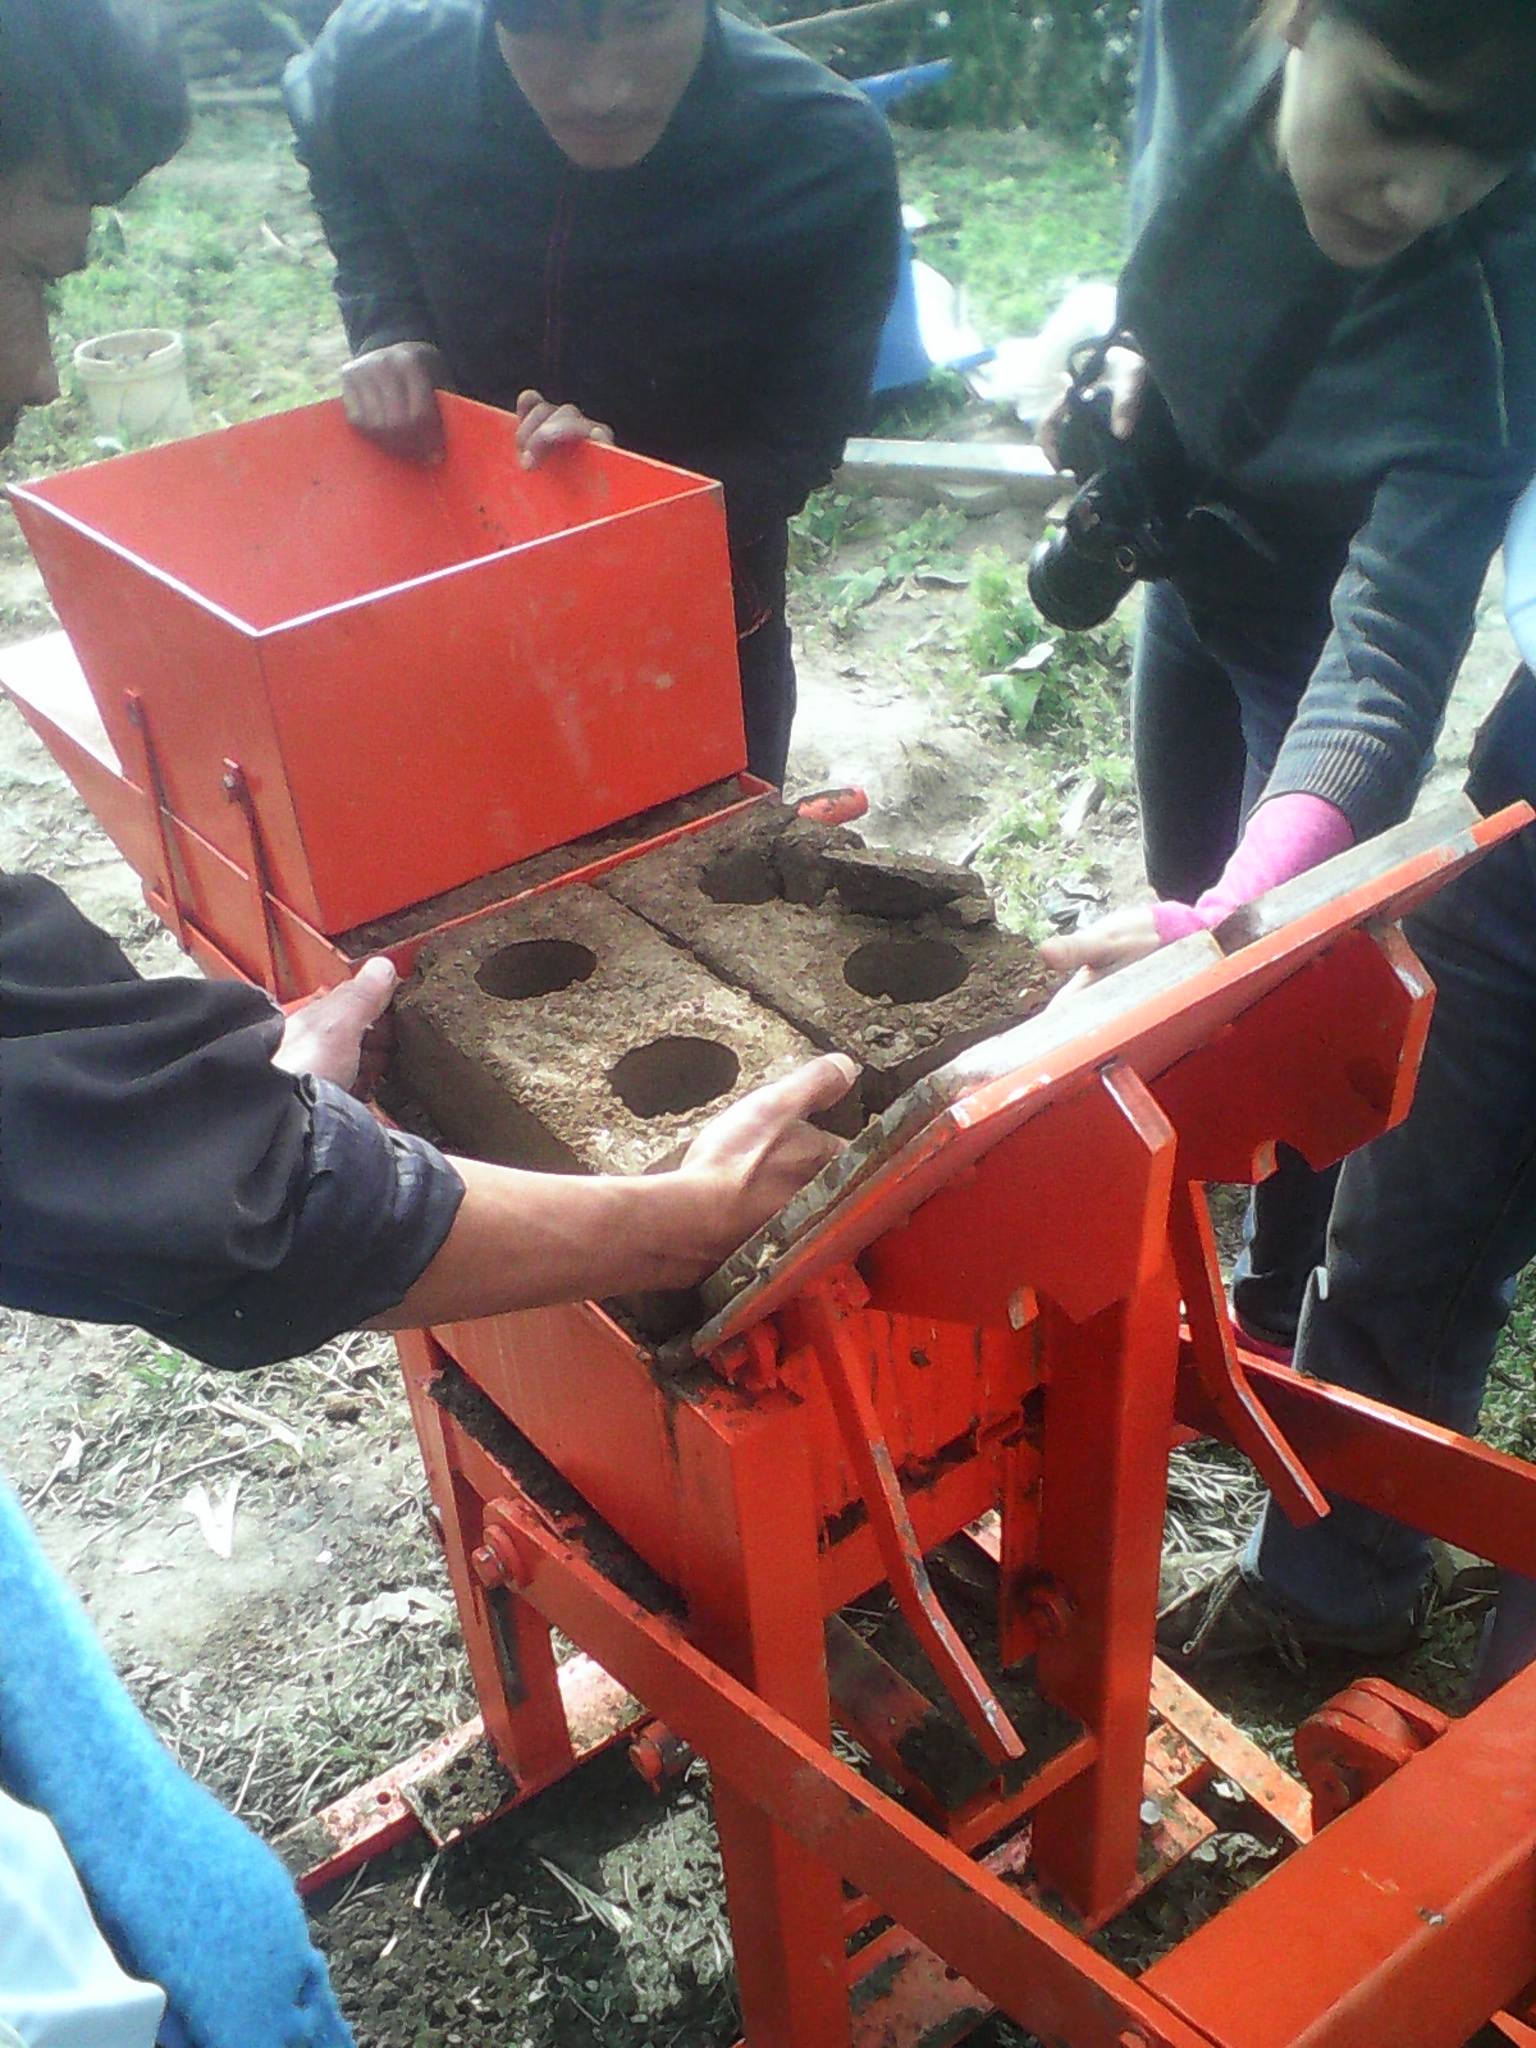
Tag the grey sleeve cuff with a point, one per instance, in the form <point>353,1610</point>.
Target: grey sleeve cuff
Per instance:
<point>1364,732</point>
<point>376,1207</point>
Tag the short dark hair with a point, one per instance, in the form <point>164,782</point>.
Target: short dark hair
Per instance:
<point>97,83</point>
<point>1483,51</point>
<point>519,16</point>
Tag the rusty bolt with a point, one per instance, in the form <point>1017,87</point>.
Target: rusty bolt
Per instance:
<point>499,1561</point>
<point>487,1566</point>
<point>1049,1609</point>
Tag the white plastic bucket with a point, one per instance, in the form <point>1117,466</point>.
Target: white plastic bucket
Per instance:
<point>136,382</point>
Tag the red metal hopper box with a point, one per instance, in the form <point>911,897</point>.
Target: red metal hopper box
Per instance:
<point>424,674</point>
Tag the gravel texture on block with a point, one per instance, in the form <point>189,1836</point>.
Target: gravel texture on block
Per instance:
<point>890,958</point>
<point>565,1033</point>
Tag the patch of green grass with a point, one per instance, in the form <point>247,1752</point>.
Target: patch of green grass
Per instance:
<point>927,546</point>
<point>1065,694</point>
<point>1509,1406</point>
<point>162,1371</point>
<point>221,245</point>
<point>831,518</point>
<point>1019,218</point>
<point>1069,685</point>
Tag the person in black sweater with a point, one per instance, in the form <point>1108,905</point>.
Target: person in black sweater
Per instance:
<point>636,219</point>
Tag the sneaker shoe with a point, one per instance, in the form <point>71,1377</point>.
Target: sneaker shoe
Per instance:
<point>1226,1616</point>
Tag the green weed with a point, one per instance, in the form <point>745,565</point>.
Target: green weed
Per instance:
<point>1071,685</point>
<point>831,518</point>
<point>1509,1409</point>
<point>161,1370</point>
<point>926,547</point>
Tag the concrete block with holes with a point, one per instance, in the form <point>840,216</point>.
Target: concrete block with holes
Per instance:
<point>568,1034</point>
<point>893,960</point>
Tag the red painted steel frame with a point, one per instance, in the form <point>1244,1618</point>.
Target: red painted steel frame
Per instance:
<point>739,1498</point>
<point>1019,1347</point>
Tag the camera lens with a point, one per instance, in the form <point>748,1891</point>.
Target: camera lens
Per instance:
<point>1071,589</point>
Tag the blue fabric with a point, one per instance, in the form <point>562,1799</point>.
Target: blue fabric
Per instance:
<point>886,87</point>
<point>187,1897</point>
<point>1433,1223</point>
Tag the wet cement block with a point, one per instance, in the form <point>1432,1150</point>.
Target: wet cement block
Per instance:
<point>566,1034</point>
<point>782,909</point>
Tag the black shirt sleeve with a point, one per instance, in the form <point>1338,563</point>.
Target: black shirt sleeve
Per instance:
<point>381,297</point>
<point>156,1168</point>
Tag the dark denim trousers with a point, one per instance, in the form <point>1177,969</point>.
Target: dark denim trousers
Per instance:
<point>759,573</point>
<point>1209,711</point>
<point>1433,1223</point>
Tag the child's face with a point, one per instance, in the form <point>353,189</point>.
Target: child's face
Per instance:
<point>1359,139</point>
<point>605,80</point>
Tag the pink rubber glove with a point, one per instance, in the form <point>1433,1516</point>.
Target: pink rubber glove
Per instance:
<point>1285,836</point>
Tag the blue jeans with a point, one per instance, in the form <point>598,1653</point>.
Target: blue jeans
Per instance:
<point>1434,1221</point>
<point>1209,712</point>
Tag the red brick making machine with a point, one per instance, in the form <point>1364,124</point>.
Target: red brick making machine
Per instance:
<point>487,721</point>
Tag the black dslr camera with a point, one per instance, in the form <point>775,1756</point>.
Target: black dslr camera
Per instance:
<point>1125,524</point>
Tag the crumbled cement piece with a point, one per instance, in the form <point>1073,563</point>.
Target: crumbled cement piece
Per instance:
<point>800,853</point>
<point>903,885</point>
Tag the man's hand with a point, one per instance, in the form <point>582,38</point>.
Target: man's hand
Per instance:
<point>1115,941</point>
<point>1125,373</point>
<point>755,1155</point>
<point>391,396</point>
<point>335,1035</point>
<point>543,426</point>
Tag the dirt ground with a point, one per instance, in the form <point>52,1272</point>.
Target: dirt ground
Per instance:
<point>256,1552</point>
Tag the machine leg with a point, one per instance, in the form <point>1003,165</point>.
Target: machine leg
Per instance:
<point>751,1583</point>
<point>1103,1483</point>
<point>510,1653</point>
<point>1018,1547</point>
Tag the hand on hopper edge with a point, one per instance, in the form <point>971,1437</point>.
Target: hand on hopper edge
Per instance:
<point>543,427</point>
<point>340,1035</point>
<point>390,394</point>
<point>748,1161</point>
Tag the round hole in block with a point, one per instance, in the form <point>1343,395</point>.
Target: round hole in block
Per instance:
<point>674,1074</point>
<point>906,970</point>
<point>740,875</point>
<point>534,967</point>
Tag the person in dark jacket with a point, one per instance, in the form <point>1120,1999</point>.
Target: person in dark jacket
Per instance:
<point>639,219</point>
